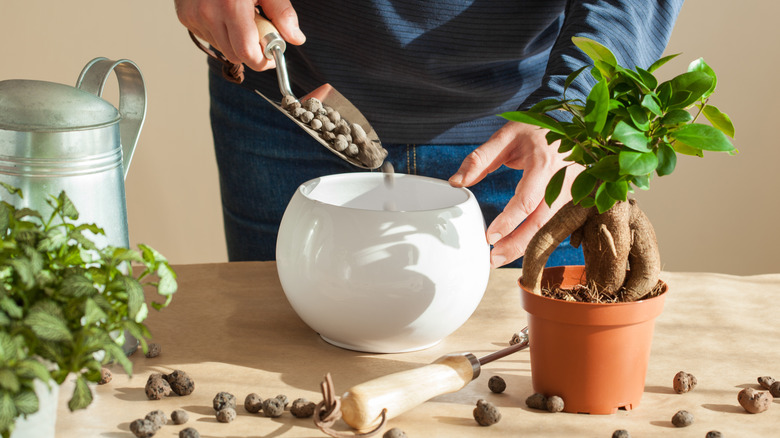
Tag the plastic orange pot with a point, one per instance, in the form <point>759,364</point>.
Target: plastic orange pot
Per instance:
<point>594,356</point>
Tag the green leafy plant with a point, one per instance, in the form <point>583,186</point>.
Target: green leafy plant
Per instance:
<point>630,127</point>
<point>65,304</point>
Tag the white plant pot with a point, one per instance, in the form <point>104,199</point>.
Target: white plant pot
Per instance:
<point>42,423</point>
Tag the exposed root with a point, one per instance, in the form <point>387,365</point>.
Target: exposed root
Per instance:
<point>592,293</point>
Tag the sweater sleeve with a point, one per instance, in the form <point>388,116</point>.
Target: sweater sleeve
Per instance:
<point>636,31</point>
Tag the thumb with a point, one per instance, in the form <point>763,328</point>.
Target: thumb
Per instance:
<point>283,16</point>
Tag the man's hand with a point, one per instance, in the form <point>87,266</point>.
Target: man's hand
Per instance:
<point>229,26</point>
<point>525,147</point>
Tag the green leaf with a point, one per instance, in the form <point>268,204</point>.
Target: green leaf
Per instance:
<point>617,190</point>
<point>639,117</point>
<point>649,80</point>
<point>7,410</point>
<point>676,117</point>
<point>135,295</point>
<point>603,200</point>
<point>719,120</point>
<point>606,169</point>
<point>76,286</point>
<point>48,326</point>
<point>596,51</point>
<point>115,352</point>
<point>667,160</point>
<point>26,402</point>
<point>661,62</point>
<point>82,395</point>
<point>637,163</point>
<point>93,313</point>
<point>33,369</point>
<point>689,87</point>
<point>650,102</point>
<point>682,148</point>
<point>641,181</point>
<point>570,78</point>
<point>703,137</point>
<point>629,136</point>
<point>597,106</point>
<point>700,65</point>
<point>582,186</point>
<point>554,186</point>
<point>540,120</point>
<point>664,93</point>
<point>66,207</point>
<point>8,380</point>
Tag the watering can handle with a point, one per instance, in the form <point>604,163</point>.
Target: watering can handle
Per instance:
<point>132,98</point>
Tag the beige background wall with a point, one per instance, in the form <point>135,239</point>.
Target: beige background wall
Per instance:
<point>718,214</point>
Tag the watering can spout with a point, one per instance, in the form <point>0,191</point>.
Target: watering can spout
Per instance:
<point>132,98</point>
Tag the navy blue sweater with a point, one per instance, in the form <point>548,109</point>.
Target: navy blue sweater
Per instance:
<point>441,71</point>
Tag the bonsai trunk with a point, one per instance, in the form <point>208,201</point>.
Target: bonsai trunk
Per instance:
<point>620,248</point>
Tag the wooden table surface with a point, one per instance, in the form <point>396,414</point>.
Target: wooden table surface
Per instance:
<point>231,329</point>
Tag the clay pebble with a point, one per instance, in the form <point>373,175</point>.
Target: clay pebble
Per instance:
<point>226,415</point>
<point>775,389</point>
<point>143,428</point>
<point>189,432</point>
<point>486,413</point>
<point>302,408</point>
<point>714,434</point>
<point>682,419</point>
<point>224,400</point>
<point>394,433</point>
<point>754,401</point>
<point>273,407</point>
<point>621,433</point>
<point>766,381</point>
<point>153,350</point>
<point>554,404</point>
<point>181,383</point>
<point>179,416</point>
<point>283,398</point>
<point>253,403</point>
<point>537,401</point>
<point>683,382</point>
<point>105,376</point>
<point>496,384</point>
<point>157,387</point>
<point>158,418</point>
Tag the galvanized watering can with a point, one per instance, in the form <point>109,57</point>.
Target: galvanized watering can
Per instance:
<point>55,137</point>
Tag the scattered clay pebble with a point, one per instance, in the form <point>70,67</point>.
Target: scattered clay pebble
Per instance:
<point>226,415</point>
<point>283,398</point>
<point>775,389</point>
<point>621,433</point>
<point>157,387</point>
<point>302,408</point>
<point>253,403</point>
<point>143,428</point>
<point>273,407</point>
<point>683,382</point>
<point>754,401</point>
<point>153,350</point>
<point>682,419</point>
<point>554,404</point>
<point>537,401</point>
<point>766,381</point>
<point>486,414</point>
<point>714,434</point>
<point>394,433</point>
<point>224,400</point>
<point>179,416</point>
<point>157,417</point>
<point>180,382</point>
<point>189,432</point>
<point>497,384</point>
<point>105,376</point>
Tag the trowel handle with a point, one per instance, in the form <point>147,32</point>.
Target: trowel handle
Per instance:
<point>362,405</point>
<point>269,37</point>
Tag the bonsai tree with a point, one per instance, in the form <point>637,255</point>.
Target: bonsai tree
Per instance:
<point>630,127</point>
<point>65,304</point>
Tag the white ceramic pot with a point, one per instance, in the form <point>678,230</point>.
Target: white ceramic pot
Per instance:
<point>42,423</point>
<point>382,268</point>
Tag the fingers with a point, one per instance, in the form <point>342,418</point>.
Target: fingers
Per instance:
<point>283,16</point>
<point>481,161</point>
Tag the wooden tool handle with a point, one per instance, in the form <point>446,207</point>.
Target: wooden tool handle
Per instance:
<point>362,405</point>
<point>269,36</point>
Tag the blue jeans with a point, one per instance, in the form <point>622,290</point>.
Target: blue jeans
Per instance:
<point>263,157</point>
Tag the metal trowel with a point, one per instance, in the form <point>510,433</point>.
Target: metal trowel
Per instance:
<point>329,96</point>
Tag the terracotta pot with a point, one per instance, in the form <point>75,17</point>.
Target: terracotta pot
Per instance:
<point>594,356</point>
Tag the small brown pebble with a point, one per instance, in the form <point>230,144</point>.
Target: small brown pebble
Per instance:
<point>298,112</point>
<point>283,398</point>
<point>554,404</point>
<point>302,408</point>
<point>157,387</point>
<point>226,415</point>
<point>253,403</point>
<point>153,350</point>
<point>333,115</point>
<point>352,150</point>
<point>179,416</point>
<point>497,384</point>
<point>157,417</point>
<point>181,383</point>
<point>316,125</point>
<point>714,434</point>
<point>312,104</point>
<point>224,400</point>
<point>537,401</point>
<point>273,407</point>
<point>682,419</point>
<point>288,102</point>
<point>307,116</point>
<point>143,428</point>
<point>766,381</point>
<point>486,414</point>
<point>189,432</point>
<point>621,433</point>
<point>358,133</point>
<point>105,376</point>
<point>754,401</point>
<point>340,143</point>
<point>394,433</point>
<point>342,127</point>
<point>775,389</point>
<point>683,382</point>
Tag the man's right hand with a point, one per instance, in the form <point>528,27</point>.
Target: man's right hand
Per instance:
<point>229,26</point>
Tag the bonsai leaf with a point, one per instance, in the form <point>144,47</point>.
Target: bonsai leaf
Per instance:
<point>719,120</point>
<point>703,137</point>
<point>630,137</point>
<point>582,186</point>
<point>82,396</point>
<point>689,87</point>
<point>26,402</point>
<point>637,163</point>
<point>700,65</point>
<point>603,200</point>
<point>661,62</point>
<point>617,190</point>
<point>540,120</point>
<point>647,78</point>
<point>641,181</point>
<point>595,50</point>
<point>546,105</point>
<point>667,160</point>
<point>597,106</point>
<point>606,169</point>
<point>554,186</point>
<point>682,148</point>
<point>676,117</point>
<point>570,78</point>
<point>639,117</point>
<point>650,101</point>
